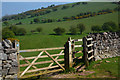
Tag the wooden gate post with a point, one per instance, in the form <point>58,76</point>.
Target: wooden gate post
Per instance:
<point>68,55</point>
<point>85,55</point>
<point>17,46</point>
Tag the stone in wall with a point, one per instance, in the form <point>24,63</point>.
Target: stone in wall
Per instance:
<point>106,45</point>
<point>8,60</point>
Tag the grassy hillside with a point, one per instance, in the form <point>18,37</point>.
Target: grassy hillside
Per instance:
<point>40,40</point>
<point>71,11</point>
<point>88,22</point>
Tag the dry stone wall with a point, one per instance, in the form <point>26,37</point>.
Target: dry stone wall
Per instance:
<point>8,61</point>
<point>106,45</point>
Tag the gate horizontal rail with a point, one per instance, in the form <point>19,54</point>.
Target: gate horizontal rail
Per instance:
<point>33,50</point>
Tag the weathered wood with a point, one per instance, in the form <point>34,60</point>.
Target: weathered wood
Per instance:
<point>89,39</point>
<point>57,70</point>
<point>27,62</point>
<point>43,62</point>
<point>44,56</point>
<point>45,68</point>
<point>31,64</point>
<point>85,56</point>
<point>76,40</point>
<point>68,55</point>
<point>73,48</point>
<point>78,52</point>
<point>90,51</point>
<point>33,50</point>
<point>17,47</point>
<point>89,45</point>
<point>78,46</point>
<point>80,57</point>
<point>54,60</point>
<point>90,57</point>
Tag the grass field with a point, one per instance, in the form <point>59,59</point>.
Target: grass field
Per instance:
<point>104,68</point>
<point>47,35</point>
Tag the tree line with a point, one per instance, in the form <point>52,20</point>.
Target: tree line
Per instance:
<point>106,27</point>
<point>12,31</point>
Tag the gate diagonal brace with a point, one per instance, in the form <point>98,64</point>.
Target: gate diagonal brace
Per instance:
<point>31,64</point>
<point>54,60</point>
<point>28,62</point>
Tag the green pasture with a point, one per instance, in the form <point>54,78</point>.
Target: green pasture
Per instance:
<point>71,11</point>
<point>104,68</point>
<point>88,22</point>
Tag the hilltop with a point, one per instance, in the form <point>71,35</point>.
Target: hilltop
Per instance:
<point>56,13</point>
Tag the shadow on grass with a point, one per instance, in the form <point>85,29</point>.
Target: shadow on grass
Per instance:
<point>77,62</point>
<point>56,34</point>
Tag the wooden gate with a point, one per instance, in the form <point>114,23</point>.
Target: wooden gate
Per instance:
<point>55,62</point>
<point>34,62</point>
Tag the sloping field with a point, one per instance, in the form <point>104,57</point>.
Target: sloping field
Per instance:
<point>71,11</point>
<point>88,22</point>
<point>40,40</point>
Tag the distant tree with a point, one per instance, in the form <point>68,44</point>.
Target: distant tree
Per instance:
<point>58,20</point>
<point>36,20</point>
<point>39,29</point>
<point>14,28</point>
<point>59,30</point>
<point>21,31</point>
<point>31,22</point>
<point>19,23</point>
<point>73,17</point>
<point>47,11</point>
<point>54,9</point>
<point>109,26</point>
<point>84,2</point>
<point>52,5</point>
<point>96,28</point>
<point>65,18</point>
<point>73,30</point>
<point>6,33</point>
<point>81,14</point>
<point>6,23</point>
<point>44,20</point>
<point>73,5</point>
<point>78,3</point>
<point>42,7</point>
<point>81,27</point>
<point>32,15</point>
<point>49,20</point>
<point>65,7</point>
<point>117,8</point>
<point>32,31</point>
<point>93,28</point>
